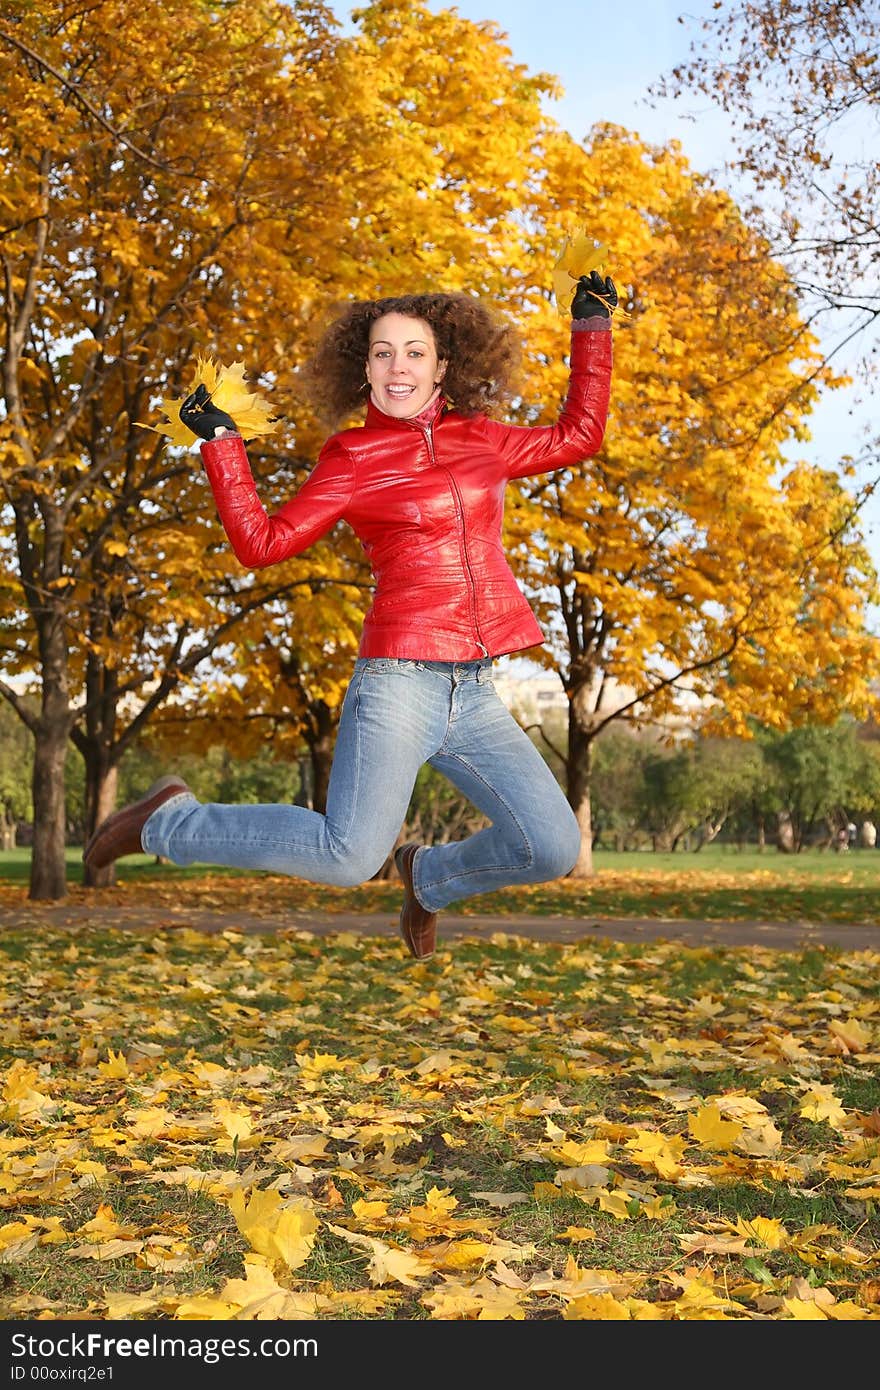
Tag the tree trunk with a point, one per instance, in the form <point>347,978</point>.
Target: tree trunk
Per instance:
<point>48,868</point>
<point>785,833</point>
<point>7,829</point>
<point>101,788</point>
<point>304,794</point>
<point>320,737</point>
<point>48,880</point>
<point>96,741</point>
<point>578,773</point>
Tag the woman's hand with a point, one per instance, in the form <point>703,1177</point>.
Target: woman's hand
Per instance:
<point>203,418</point>
<point>594,297</point>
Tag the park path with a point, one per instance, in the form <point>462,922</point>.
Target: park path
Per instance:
<point>785,936</point>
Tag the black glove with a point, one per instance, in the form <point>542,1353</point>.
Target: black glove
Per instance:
<point>203,418</point>
<point>594,297</point>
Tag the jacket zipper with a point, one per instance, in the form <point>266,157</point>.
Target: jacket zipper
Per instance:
<point>459,511</point>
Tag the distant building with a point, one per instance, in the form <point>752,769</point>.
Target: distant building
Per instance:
<point>534,693</point>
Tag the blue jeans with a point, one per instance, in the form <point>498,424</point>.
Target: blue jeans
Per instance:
<point>396,716</point>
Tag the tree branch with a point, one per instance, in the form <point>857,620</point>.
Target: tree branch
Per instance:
<point>89,106</point>
<point>26,716</point>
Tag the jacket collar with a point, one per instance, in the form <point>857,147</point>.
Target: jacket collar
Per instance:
<point>377,419</point>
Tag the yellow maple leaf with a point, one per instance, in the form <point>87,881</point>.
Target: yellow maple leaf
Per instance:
<point>104,1224</point>
<point>656,1151</point>
<point>482,1300</point>
<point>820,1103</point>
<point>391,1264</point>
<point>150,1123</point>
<point>258,1285</point>
<point>580,253</point>
<point>847,1311</point>
<point>615,1203</point>
<point>256,1211</point>
<point>369,1211</point>
<point>300,1148</point>
<point>763,1231</point>
<point>292,1239</point>
<point>115,1066</point>
<point>128,1305</point>
<point>577,1233</point>
<point>596,1308</point>
<point>804,1311</point>
<point>204,1308</point>
<point>24,1099</point>
<point>439,1203</point>
<point>251,412</point>
<point>452,1143</point>
<point>318,1063</point>
<point>236,1121</point>
<point>283,1234</point>
<point>457,1254</point>
<point>105,1250</point>
<point>388,1263</point>
<point>14,1232</point>
<point>760,1140</point>
<point>854,1036</point>
<point>592,1151</point>
<point>710,1130</point>
<point>546,1192</point>
<point>511,1024</point>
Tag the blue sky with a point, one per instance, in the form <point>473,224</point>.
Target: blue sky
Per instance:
<point>606,65</point>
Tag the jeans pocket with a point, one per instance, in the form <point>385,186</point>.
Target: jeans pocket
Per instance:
<point>390,665</point>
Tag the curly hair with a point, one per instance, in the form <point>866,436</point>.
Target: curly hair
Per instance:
<point>480,348</point>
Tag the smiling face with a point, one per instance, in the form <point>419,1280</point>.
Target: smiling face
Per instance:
<point>402,365</point>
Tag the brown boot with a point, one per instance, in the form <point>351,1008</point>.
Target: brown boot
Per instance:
<point>120,833</point>
<point>418,926</point>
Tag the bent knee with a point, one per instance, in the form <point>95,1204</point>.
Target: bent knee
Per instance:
<point>557,847</point>
<point>352,868</point>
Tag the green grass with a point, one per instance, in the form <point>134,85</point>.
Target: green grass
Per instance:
<point>718,884</point>
<point>864,864</point>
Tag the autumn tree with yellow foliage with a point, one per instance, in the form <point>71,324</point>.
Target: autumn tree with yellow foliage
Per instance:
<point>461,134</point>
<point>691,565</point>
<point>211,181</point>
<point>190,180</point>
<point>150,153</point>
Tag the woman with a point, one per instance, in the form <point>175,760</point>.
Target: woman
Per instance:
<point>422,483</point>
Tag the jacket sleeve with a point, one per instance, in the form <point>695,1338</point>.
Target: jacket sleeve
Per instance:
<point>580,429</point>
<point>257,538</point>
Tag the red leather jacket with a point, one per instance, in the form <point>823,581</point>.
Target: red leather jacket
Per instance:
<point>425,497</point>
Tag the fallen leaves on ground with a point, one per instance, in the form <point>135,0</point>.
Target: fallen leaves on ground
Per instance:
<point>278,1126</point>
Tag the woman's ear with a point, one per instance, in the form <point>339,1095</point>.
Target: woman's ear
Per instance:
<point>441,371</point>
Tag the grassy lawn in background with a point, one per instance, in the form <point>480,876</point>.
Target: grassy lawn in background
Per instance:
<point>718,883</point>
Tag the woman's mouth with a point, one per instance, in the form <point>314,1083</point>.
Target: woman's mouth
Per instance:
<point>399,391</point>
